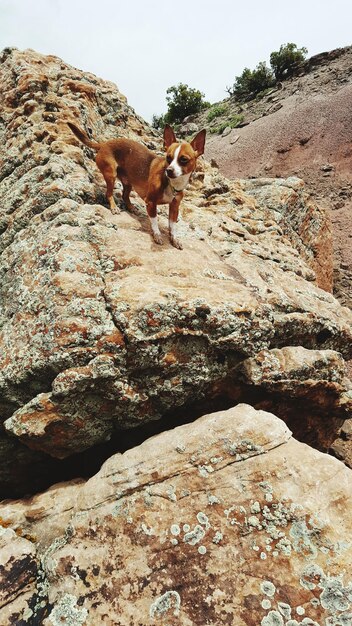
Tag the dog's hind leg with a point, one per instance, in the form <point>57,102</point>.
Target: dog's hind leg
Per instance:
<point>108,169</point>
<point>126,188</point>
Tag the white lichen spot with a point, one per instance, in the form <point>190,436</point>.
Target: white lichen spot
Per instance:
<point>255,507</point>
<point>203,519</point>
<point>311,575</point>
<point>171,493</point>
<point>263,556</point>
<point>204,470</point>
<point>173,541</point>
<point>335,597</point>
<point>285,546</point>
<point>213,499</point>
<point>269,497</point>
<point>194,536</point>
<point>254,522</point>
<point>67,612</point>
<point>216,459</point>
<point>180,449</point>
<point>284,609</point>
<point>266,604</point>
<point>217,537</point>
<point>265,486</point>
<point>147,531</point>
<point>168,601</point>
<point>268,588</point>
<point>302,537</point>
<point>300,610</point>
<point>272,619</point>
<point>186,528</point>
<point>175,529</point>
<point>202,550</point>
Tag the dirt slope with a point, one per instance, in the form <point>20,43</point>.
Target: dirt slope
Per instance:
<point>302,127</point>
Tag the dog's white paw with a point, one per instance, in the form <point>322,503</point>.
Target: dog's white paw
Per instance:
<point>158,238</point>
<point>176,243</point>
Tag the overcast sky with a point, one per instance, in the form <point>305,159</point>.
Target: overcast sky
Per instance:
<point>145,47</point>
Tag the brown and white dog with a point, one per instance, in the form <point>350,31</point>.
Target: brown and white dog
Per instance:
<point>156,179</point>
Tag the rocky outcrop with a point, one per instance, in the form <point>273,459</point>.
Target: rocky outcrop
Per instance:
<point>227,520</point>
<point>301,127</point>
<point>102,330</point>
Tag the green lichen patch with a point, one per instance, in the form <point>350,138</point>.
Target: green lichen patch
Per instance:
<point>169,601</point>
<point>67,612</point>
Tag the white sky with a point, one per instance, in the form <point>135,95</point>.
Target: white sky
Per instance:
<point>145,47</point>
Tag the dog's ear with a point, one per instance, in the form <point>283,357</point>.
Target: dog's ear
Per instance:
<point>198,142</point>
<point>169,137</point>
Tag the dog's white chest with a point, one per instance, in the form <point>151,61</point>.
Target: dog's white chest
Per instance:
<point>168,195</point>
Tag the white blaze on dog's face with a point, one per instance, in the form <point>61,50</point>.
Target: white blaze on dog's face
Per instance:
<point>182,157</point>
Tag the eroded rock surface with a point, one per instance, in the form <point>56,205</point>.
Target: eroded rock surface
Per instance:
<point>227,520</point>
<point>300,127</point>
<point>101,329</point>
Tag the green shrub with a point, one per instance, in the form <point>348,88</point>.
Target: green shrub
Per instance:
<point>252,82</point>
<point>285,60</point>
<point>232,122</point>
<point>216,111</point>
<point>183,101</point>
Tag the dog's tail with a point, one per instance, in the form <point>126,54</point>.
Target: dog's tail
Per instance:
<point>83,137</point>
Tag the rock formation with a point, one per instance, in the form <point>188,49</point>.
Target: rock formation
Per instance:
<point>300,127</point>
<point>103,331</point>
<point>108,338</point>
<point>227,520</point>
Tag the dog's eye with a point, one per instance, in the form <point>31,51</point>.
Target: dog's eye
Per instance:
<point>169,158</point>
<point>183,160</point>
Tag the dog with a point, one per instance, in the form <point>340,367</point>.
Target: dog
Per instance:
<point>156,179</point>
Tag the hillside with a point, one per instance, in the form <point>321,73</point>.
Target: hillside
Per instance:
<point>301,127</point>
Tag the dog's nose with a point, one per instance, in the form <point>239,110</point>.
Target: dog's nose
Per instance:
<point>170,172</point>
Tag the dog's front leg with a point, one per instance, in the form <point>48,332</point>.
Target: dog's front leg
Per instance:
<point>173,216</point>
<point>152,212</point>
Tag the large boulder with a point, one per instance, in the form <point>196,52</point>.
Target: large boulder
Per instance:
<point>101,329</point>
<point>228,520</point>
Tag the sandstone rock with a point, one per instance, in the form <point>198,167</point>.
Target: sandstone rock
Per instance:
<point>307,226</point>
<point>188,129</point>
<point>101,329</point>
<point>227,520</point>
<point>18,577</point>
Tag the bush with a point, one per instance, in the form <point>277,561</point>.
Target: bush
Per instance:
<point>215,111</point>
<point>252,82</point>
<point>182,101</point>
<point>233,122</point>
<point>284,61</point>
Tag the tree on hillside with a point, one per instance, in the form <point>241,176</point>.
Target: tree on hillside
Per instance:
<point>252,82</point>
<point>285,60</point>
<point>182,100</point>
